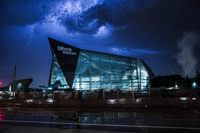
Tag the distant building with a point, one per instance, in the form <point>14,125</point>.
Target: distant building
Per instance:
<point>21,85</point>
<point>75,68</point>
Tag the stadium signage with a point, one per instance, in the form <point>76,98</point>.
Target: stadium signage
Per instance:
<point>66,51</point>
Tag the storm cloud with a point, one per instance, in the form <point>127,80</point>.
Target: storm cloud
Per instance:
<point>75,15</point>
<point>147,29</point>
<point>113,12</point>
<point>22,12</point>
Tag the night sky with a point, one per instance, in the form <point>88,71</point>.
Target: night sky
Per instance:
<point>164,33</point>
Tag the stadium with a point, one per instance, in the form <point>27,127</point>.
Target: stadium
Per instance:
<point>86,70</point>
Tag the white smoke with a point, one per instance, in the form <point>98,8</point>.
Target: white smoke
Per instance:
<point>186,56</point>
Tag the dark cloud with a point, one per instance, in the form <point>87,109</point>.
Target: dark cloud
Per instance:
<point>81,25</point>
<point>23,12</point>
<point>170,15</point>
<point>152,15</point>
<point>160,26</point>
<point>113,12</point>
<point>148,29</point>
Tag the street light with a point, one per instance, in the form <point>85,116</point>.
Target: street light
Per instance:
<point>194,85</point>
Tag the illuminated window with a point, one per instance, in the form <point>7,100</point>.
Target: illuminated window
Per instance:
<point>109,72</point>
<point>57,76</point>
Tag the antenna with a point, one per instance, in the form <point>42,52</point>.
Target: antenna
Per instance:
<point>14,74</point>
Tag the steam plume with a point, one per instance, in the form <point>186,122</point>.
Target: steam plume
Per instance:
<point>186,57</point>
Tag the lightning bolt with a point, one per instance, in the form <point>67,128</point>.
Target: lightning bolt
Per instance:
<point>14,58</point>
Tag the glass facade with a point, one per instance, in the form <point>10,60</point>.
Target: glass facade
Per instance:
<point>57,76</point>
<point>90,70</point>
<point>109,72</point>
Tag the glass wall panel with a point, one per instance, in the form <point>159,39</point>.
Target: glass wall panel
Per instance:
<point>57,76</point>
<point>109,72</point>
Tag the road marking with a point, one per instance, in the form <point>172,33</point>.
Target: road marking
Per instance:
<point>105,125</point>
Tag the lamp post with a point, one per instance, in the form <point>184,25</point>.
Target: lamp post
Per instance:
<point>194,85</point>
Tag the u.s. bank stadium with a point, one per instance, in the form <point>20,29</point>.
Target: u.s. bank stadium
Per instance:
<point>80,69</point>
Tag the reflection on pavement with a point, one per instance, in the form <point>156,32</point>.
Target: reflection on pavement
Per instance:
<point>2,116</point>
<point>103,120</point>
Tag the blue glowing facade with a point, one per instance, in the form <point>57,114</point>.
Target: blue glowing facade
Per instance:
<point>74,68</point>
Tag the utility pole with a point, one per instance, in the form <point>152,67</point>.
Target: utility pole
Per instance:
<point>14,78</point>
<point>14,75</point>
